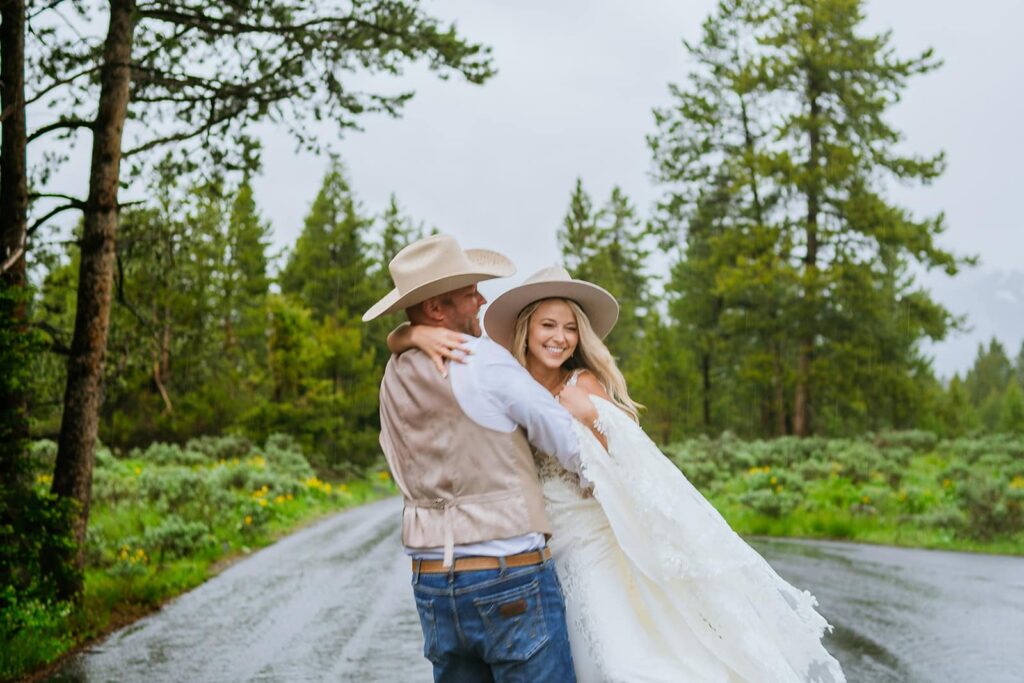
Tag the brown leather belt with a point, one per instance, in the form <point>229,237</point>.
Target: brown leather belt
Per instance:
<point>478,562</point>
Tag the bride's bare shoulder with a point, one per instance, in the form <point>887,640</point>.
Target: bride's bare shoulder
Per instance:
<point>586,380</point>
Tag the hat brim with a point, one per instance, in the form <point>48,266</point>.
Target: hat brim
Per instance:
<point>600,306</point>
<point>486,265</point>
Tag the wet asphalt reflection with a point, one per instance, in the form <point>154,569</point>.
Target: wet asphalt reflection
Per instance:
<point>333,603</point>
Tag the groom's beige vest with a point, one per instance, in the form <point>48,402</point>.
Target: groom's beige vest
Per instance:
<point>462,483</point>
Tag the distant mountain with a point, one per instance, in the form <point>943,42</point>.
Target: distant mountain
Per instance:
<point>992,300</point>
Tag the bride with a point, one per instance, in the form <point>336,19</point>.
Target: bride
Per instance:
<point>657,585</point>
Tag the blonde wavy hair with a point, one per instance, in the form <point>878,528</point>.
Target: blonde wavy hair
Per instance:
<point>591,354</point>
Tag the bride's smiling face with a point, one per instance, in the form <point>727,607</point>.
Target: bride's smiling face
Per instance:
<point>553,333</point>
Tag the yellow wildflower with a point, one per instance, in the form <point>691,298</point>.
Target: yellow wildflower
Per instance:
<point>865,500</point>
<point>248,520</point>
<point>263,502</point>
<point>773,480</point>
<point>1017,482</point>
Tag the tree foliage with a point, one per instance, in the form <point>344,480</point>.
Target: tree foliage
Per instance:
<point>606,246</point>
<point>775,158</point>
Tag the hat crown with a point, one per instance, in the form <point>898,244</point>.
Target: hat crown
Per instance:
<point>426,260</point>
<point>550,274</point>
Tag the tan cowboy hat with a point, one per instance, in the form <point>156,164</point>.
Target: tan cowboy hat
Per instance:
<point>435,265</point>
<point>550,283</point>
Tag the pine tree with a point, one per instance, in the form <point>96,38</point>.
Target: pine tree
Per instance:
<point>1012,417</point>
<point>956,415</point>
<point>246,281</point>
<point>327,270</point>
<point>606,247</point>
<point>578,239</point>
<point>1019,366</point>
<point>397,231</point>
<point>990,374</point>
<point>783,122</point>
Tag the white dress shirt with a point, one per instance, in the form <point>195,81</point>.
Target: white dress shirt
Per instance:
<point>496,392</point>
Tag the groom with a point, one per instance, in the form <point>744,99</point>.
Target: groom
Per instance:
<point>459,450</point>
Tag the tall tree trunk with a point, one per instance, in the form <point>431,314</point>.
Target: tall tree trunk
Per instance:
<point>705,372</point>
<point>13,224</point>
<point>778,392</point>
<point>802,393</point>
<point>83,395</point>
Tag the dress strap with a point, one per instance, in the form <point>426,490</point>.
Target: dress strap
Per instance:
<point>571,382</point>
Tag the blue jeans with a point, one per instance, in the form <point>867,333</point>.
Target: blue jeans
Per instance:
<point>493,625</point>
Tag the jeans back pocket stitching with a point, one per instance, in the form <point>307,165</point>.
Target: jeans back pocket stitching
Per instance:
<point>487,607</point>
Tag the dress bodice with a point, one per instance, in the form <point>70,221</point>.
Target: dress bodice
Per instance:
<point>548,467</point>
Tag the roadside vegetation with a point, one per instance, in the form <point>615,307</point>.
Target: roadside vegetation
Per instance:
<point>166,518</point>
<point>903,488</point>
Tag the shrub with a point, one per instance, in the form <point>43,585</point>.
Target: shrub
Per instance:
<point>859,460</point>
<point>160,453</point>
<point>32,632</point>
<point>768,502</point>
<point>813,469</point>
<point>285,455</point>
<point>174,537</point>
<point>172,487</point>
<point>992,507</point>
<point>916,440</point>
<point>216,448</point>
<point>42,455</point>
<point>113,486</point>
<point>943,517</point>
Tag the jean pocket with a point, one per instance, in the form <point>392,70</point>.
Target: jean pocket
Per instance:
<point>431,649</point>
<point>514,622</point>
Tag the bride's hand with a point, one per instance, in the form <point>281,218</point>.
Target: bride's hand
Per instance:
<point>577,402</point>
<point>440,344</point>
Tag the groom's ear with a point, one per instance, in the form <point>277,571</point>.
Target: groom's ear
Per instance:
<point>430,312</point>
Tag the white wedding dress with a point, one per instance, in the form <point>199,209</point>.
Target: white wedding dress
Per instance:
<point>658,588</point>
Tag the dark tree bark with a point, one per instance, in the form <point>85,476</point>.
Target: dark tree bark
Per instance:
<point>13,228</point>
<point>705,376</point>
<point>83,395</point>
<point>802,393</point>
<point>778,392</point>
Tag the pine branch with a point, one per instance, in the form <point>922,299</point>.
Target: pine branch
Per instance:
<point>63,124</point>
<point>77,204</point>
<point>60,83</point>
<point>225,27</point>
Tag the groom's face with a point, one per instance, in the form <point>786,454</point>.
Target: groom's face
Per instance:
<point>462,310</point>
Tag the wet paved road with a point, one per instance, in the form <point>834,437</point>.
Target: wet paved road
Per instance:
<point>332,603</point>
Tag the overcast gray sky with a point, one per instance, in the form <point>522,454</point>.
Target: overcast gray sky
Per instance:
<point>493,165</point>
